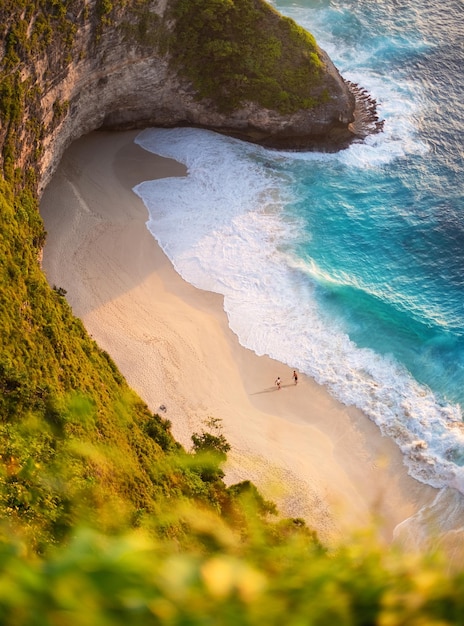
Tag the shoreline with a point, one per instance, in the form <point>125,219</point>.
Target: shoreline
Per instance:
<point>315,457</point>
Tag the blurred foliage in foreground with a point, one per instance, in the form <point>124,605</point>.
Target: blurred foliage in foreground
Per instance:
<point>132,578</point>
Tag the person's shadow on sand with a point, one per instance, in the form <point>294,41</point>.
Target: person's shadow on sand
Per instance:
<point>271,389</point>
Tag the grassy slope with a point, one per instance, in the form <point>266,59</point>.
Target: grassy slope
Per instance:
<point>70,425</point>
<point>103,518</point>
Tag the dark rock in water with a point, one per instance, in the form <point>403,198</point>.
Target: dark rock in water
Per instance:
<point>366,120</point>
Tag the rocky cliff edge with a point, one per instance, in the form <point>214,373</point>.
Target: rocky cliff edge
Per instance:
<point>92,65</point>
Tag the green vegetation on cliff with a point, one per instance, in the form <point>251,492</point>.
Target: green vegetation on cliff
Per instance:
<point>104,518</point>
<point>236,51</point>
<point>75,442</point>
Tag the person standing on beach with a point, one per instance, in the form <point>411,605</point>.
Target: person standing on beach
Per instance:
<point>295,377</point>
<point>278,382</point>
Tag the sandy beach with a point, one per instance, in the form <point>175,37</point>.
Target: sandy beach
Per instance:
<point>316,458</point>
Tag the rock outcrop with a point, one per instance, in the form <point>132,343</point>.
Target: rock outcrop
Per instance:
<point>113,74</point>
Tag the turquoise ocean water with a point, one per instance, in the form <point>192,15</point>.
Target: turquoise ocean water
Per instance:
<point>347,266</point>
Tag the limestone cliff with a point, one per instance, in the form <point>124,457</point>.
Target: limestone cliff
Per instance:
<point>70,68</point>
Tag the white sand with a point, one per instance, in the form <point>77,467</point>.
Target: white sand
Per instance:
<point>313,456</point>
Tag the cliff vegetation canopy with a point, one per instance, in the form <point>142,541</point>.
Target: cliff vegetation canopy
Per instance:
<point>104,517</point>
<point>236,51</point>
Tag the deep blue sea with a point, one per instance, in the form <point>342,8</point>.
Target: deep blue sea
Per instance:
<point>348,266</point>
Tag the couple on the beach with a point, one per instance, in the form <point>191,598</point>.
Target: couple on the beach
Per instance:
<point>278,381</point>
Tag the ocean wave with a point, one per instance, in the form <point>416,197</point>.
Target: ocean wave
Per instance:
<point>236,239</point>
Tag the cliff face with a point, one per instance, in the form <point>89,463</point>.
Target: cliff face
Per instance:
<point>104,66</point>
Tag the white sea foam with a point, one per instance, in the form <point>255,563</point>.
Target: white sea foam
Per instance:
<point>396,98</point>
<point>223,229</point>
